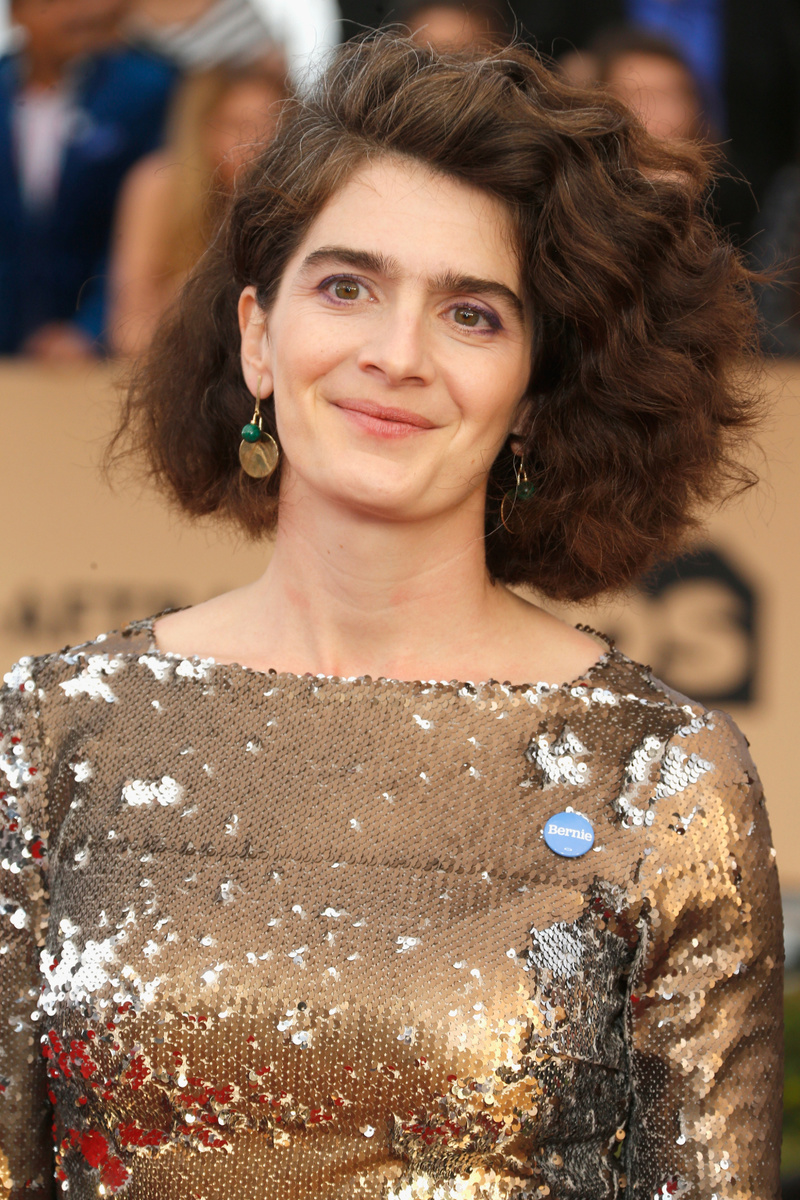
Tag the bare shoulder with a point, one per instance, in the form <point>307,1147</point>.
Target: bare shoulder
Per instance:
<point>207,630</point>
<point>174,631</point>
<point>544,647</point>
<point>150,177</point>
<point>144,197</point>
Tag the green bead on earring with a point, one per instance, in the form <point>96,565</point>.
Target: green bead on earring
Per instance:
<point>258,451</point>
<point>523,490</point>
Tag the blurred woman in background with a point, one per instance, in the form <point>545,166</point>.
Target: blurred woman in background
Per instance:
<point>652,76</point>
<point>173,199</point>
<point>456,25</point>
<point>648,73</point>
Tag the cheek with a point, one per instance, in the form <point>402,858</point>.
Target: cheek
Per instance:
<point>488,389</point>
<point>310,351</point>
<point>303,363</point>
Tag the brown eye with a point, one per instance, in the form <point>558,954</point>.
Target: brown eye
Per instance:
<point>345,289</point>
<point>467,316</point>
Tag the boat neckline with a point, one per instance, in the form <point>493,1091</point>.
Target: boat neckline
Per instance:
<point>586,678</point>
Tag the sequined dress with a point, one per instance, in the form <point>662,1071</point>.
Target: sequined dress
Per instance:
<point>300,938</point>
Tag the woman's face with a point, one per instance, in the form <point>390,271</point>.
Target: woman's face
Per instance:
<point>243,121</point>
<point>397,348</point>
<point>65,29</point>
<point>661,93</point>
<point>446,28</point>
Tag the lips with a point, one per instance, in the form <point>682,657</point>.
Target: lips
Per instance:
<point>385,415</point>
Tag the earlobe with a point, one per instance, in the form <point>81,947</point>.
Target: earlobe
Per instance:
<point>256,351</point>
<point>521,426</point>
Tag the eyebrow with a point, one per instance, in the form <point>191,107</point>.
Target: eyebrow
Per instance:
<point>381,264</point>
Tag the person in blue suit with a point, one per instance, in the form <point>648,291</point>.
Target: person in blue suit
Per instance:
<point>77,109</point>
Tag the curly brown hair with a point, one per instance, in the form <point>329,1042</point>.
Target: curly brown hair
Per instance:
<point>641,310</point>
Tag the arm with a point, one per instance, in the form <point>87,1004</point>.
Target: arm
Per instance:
<point>138,289</point>
<point>119,306</point>
<point>61,342</point>
<point>706,1004</point>
<point>26,1158</point>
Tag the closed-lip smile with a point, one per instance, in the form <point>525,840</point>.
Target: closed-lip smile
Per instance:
<point>383,421</point>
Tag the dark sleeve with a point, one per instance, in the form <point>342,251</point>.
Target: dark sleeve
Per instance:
<point>706,1003</point>
<point>26,1157</point>
<point>90,313</point>
<point>138,87</point>
<point>775,249</point>
<point>152,86</point>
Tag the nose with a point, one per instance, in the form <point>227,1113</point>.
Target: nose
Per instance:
<point>397,350</point>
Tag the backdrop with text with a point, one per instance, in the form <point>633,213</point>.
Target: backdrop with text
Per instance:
<point>82,557</point>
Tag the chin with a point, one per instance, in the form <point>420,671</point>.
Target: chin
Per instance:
<point>376,498</point>
<point>366,484</point>
<point>381,504</point>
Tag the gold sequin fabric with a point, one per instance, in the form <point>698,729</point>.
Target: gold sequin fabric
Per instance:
<point>302,938</point>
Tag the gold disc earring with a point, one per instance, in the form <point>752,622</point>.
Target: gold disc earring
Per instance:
<point>258,451</point>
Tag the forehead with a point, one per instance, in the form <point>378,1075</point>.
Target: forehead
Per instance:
<point>428,221</point>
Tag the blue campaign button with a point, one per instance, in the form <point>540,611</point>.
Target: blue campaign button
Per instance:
<point>568,834</point>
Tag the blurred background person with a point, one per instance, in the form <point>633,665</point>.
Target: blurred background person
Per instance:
<point>778,250</point>
<point>745,57</point>
<point>651,75</point>
<point>172,200</point>
<point>77,109</point>
<point>197,34</point>
<point>455,25</point>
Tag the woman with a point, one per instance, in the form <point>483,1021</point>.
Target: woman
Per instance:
<point>650,73</point>
<point>172,200</point>
<point>455,25</point>
<point>317,929</point>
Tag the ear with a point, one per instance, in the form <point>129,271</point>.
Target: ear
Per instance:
<point>521,426</point>
<point>256,351</point>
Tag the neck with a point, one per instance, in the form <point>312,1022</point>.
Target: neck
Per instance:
<point>44,69</point>
<point>346,594</point>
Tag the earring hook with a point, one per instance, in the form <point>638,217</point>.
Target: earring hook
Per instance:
<point>523,490</point>
<point>258,451</point>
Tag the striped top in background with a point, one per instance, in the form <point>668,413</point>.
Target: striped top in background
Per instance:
<point>241,31</point>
